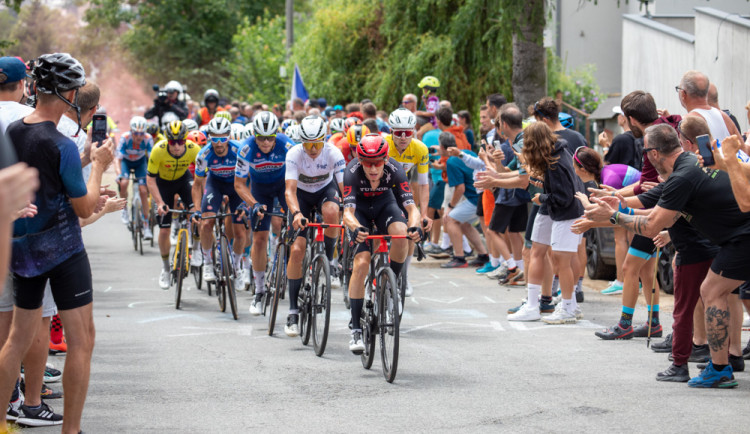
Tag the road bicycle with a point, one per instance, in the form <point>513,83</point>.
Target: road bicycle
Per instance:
<point>223,263</point>
<point>182,252</point>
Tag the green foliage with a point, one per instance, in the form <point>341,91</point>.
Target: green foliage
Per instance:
<point>37,31</point>
<point>579,88</point>
<point>258,50</point>
<point>13,4</point>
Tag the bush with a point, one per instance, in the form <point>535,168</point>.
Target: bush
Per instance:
<point>578,87</point>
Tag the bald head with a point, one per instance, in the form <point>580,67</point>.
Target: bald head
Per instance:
<point>695,84</point>
<point>713,96</point>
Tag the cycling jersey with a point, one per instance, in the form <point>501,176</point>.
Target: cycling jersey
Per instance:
<point>221,168</point>
<point>263,168</point>
<point>168,167</point>
<point>345,148</point>
<point>314,174</point>
<point>393,184</point>
<point>128,150</point>
<point>414,156</point>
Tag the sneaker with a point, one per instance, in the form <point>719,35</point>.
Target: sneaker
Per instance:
<point>409,289</point>
<point>642,331</point>
<point>510,275</point>
<point>356,345</point>
<point>292,328</point>
<point>546,307</point>
<point>486,268</point>
<point>470,253</point>
<point>42,416</point>
<point>615,333</point>
<point>455,263</point>
<point>745,320</point>
<point>335,278</point>
<point>13,409</point>
<point>124,217</point>
<point>579,296</point>
<point>147,234</point>
<point>560,316</point>
<point>517,308</point>
<point>711,378</point>
<point>677,374</point>
<point>164,279</point>
<point>479,261</point>
<point>51,375</point>
<point>664,346</point>
<point>58,349</point>
<point>578,313</point>
<point>196,257</point>
<point>613,289</point>
<point>208,273</point>
<point>48,393</point>
<point>737,363</point>
<point>498,272</point>
<point>433,249</point>
<point>746,351</point>
<point>256,307</point>
<point>519,280</point>
<point>526,313</point>
<point>699,354</point>
<point>442,253</point>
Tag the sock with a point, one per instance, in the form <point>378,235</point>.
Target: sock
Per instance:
<point>467,246</point>
<point>16,392</point>
<point>40,406</point>
<point>579,285</point>
<point>720,367</point>
<point>294,285</point>
<point>568,305</point>
<point>405,271</point>
<point>534,291</point>
<point>397,267</point>
<point>626,317</point>
<point>654,315</point>
<point>546,299</point>
<point>260,278</point>
<point>495,262</point>
<point>555,285</point>
<point>519,263</point>
<point>237,261</point>
<point>165,261</point>
<point>446,241</point>
<point>511,263</point>
<point>574,302</point>
<point>207,259</point>
<point>56,330</point>
<point>617,283</point>
<point>330,245</point>
<point>246,262</point>
<point>356,305</point>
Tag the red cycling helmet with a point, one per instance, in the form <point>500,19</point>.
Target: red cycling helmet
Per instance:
<point>372,146</point>
<point>198,138</point>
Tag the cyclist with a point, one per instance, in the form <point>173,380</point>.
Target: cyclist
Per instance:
<point>214,170</point>
<point>348,145</point>
<point>168,176</point>
<point>414,157</point>
<point>374,186</point>
<point>310,170</point>
<point>190,125</point>
<point>132,154</point>
<point>293,132</point>
<point>261,159</point>
<point>153,129</point>
<point>336,130</point>
<point>211,107</point>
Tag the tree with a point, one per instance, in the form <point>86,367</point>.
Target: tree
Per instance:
<point>529,77</point>
<point>36,31</point>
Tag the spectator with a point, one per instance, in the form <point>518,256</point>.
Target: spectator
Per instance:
<point>430,101</point>
<point>485,123</point>
<point>693,95</point>
<point>464,119</point>
<point>546,110</point>
<point>370,111</point>
<point>444,118</point>
<point>713,101</point>
<point>352,108</point>
<point>171,103</point>
<point>210,107</point>
<point>409,102</point>
<point>235,113</point>
<point>297,105</point>
<point>494,102</point>
<point>299,115</point>
<point>623,149</point>
<point>287,115</point>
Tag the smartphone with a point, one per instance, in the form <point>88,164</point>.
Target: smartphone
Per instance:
<point>99,127</point>
<point>704,148</point>
<point>517,147</point>
<point>497,144</point>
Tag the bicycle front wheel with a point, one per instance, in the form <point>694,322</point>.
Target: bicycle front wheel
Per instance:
<point>305,299</point>
<point>228,275</point>
<point>388,322</point>
<point>278,284</point>
<point>321,303</point>
<point>180,260</point>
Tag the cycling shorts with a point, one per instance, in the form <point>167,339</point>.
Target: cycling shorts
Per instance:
<point>307,201</point>
<point>168,189</point>
<point>642,247</point>
<point>70,283</point>
<point>138,167</point>
<point>214,195</point>
<point>265,195</point>
<point>382,211</point>
<point>8,299</point>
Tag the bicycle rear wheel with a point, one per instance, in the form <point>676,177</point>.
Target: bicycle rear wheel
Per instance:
<point>279,284</point>
<point>134,224</point>
<point>180,261</point>
<point>305,300</point>
<point>218,272</point>
<point>321,304</point>
<point>401,293</point>
<point>228,275</point>
<point>388,322</point>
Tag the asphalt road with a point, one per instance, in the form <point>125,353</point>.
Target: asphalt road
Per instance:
<point>462,365</point>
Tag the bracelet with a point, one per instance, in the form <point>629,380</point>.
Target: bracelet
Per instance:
<point>296,212</point>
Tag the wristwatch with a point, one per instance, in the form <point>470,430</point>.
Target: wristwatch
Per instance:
<point>460,155</point>
<point>614,217</point>
<point>450,206</point>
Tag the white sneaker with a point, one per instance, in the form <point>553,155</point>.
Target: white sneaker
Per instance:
<point>498,272</point>
<point>409,289</point>
<point>246,281</point>
<point>526,313</point>
<point>292,328</point>
<point>147,234</point>
<point>124,216</point>
<point>560,316</point>
<point>196,257</point>
<point>256,307</point>
<point>164,280</point>
<point>335,278</point>
<point>578,313</point>
<point>208,273</point>
<point>356,345</point>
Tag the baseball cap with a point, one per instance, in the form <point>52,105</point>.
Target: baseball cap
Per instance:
<point>618,110</point>
<point>11,70</point>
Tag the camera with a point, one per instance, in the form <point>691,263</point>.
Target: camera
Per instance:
<point>161,95</point>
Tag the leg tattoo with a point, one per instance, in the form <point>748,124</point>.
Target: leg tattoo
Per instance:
<point>717,327</point>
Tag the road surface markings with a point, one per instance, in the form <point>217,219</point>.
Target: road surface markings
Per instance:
<point>489,299</point>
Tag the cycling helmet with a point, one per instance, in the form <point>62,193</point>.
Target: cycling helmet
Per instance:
<point>173,86</point>
<point>190,124</point>
<point>101,110</point>
<point>566,120</point>
<point>167,118</point>
<point>198,138</point>
<point>265,124</point>
<point>402,119</point>
<point>211,95</point>
<point>337,125</point>
<point>152,128</point>
<point>204,129</point>
<point>293,132</point>
<point>138,124</point>
<point>287,123</point>
<point>355,134</point>
<point>312,129</point>
<point>249,130</point>
<point>176,130</point>
<point>219,126</point>
<point>224,114</point>
<point>372,146</point>
<point>58,72</point>
<point>348,122</point>
<point>237,132</point>
<point>429,82</point>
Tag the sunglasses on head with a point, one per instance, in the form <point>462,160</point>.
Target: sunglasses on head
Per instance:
<point>312,145</point>
<point>265,138</point>
<point>219,139</point>
<point>402,134</point>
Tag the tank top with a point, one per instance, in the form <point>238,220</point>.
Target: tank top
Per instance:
<point>715,122</point>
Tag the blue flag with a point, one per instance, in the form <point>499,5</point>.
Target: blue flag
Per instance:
<point>298,86</point>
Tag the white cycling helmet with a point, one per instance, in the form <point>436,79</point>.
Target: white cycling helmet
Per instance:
<point>293,132</point>
<point>287,123</point>
<point>190,124</point>
<point>402,119</point>
<point>173,86</point>
<point>337,125</point>
<point>167,118</point>
<point>138,124</point>
<point>211,94</point>
<point>312,128</point>
<point>237,132</point>
<point>204,129</point>
<point>219,126</point>
<point>265,124</point>
<point>249,130</point>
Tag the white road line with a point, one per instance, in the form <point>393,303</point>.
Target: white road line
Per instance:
<point>195,334</point>
<point>418,284</point>
<point>517,325</point>
<point>414,300</point>
<point>497,326</point>
<point>434,276</point>
<point>109,288</point>
<point>403,332</point>
<point>489,299</point>
<point>162,318</point>
<point>443,301</point>
<point>453,283</point>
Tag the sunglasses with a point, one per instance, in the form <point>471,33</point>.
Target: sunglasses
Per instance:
<point>176,142</point>
<point>265,138</point>
<point>372,163</point>
<point>219,139</point>
<point>138,133</point>
<point>312,145</point>
<point>403,134</point>
<point>407,102</point>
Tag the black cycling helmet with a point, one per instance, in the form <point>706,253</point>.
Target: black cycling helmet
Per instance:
<point>58,72</point>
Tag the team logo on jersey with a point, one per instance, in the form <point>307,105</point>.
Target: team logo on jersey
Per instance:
<point>405,186</point>
<point>347,190</point>
<point>257,155</point>
<point>167,166</point>
<point>216,161</point>
<point>244,151</point>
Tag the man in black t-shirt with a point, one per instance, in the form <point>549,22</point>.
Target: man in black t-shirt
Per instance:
<point>704,198</point>
<point>624,149</point>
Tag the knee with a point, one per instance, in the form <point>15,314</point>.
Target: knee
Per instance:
<point>330,212</point>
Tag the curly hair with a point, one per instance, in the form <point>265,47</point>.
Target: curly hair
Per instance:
<point>590,161</point>
<point>538,144</point>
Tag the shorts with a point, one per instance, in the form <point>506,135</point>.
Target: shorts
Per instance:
<point>480,206</point>
<point>138,167</point>
<point>556,234</point>
<point>436,195</point>
<point>307,201</point>
<point>214,195</point>
<point>509,218</point>
<point>167,190</point>
<point>382,213</point>
<point>70,283</point>
<point>731,261</point>
<point>464,212</point>
<point>448,195</point>
<point>265,195</point>
<point>745,291</point>
<point>530,224</point>
<point>642,247</point>
<point>8,300</point>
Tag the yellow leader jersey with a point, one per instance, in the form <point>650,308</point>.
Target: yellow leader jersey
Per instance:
<point>169,168</point>
<point>415,155</point>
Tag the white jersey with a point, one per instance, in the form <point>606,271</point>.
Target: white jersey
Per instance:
<point>715,122</point>
<point>314,175</point>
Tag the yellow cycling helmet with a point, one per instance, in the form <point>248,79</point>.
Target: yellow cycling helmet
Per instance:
<point>176,130</point>
<point>429,82</point>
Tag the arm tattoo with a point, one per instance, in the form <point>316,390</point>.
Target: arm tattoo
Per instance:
<point>717,327</point>
<point>633,223</point>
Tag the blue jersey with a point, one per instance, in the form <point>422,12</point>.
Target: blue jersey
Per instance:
<point>263,168</point>
<point>129,151</point>
<point>219,168</point>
